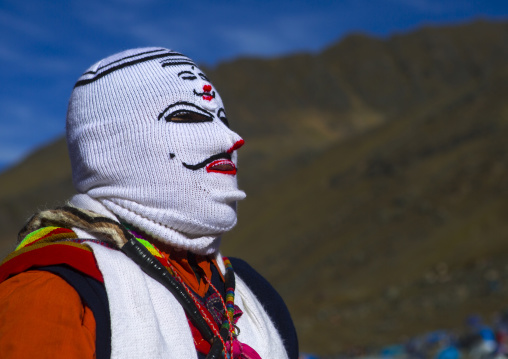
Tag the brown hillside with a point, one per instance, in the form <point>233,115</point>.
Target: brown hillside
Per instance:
<point>376,179</point>
<point>293,107</point>
<point>393,232</point>
<point>42,180</point>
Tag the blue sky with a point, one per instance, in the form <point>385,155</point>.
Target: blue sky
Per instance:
<point>46,45</point>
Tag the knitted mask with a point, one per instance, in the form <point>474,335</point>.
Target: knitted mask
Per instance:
<point>148,138</point>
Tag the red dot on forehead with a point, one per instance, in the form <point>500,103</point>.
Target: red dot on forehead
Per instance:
<point>207,88</point>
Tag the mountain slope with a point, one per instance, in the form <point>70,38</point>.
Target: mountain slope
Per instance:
<point>42,180</point>
<point>363,233</point>
<point>294,107</point>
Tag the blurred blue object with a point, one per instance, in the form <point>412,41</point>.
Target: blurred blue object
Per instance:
<point>392,351</point>
<point>450,352</point>
<point>474,320</point>
<point>436,336</point>
<point>307,356</point>
<point>487,334</point>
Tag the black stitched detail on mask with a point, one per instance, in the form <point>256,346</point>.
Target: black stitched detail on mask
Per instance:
<point>123,58</point>
<point>204,93</point>
<point>210,159</point>
<point>118,67</point>
<point>169,63</point>
<point>222,115</point>
<point>135,55</point>
<point>203,76</point>
<point>190,75</point>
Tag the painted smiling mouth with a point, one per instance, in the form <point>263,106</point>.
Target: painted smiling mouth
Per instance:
<point>206,95</point>
<point>222,166</point>
<point>219,163</point>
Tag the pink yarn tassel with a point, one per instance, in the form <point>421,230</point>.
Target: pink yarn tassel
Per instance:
<point>242,351</point>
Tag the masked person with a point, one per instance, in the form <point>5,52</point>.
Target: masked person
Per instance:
<point>131,267</point>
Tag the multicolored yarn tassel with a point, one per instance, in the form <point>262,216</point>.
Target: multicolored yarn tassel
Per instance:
<point>230,293</point>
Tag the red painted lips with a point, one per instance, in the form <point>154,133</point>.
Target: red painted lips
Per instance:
<point>222,166</point>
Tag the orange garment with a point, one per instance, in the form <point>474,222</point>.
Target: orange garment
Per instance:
<point>193,271</point>
<point>42,316</point>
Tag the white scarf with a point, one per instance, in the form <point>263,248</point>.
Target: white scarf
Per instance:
<point>146,319</point>
<point>148,322</point>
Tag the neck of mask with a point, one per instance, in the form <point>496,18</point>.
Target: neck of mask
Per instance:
<point>203,244</point>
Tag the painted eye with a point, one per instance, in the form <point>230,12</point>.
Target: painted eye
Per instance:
<point>203,76</point>
<point>187,116</point>
<point>187,75</point>
<point>184,111</point>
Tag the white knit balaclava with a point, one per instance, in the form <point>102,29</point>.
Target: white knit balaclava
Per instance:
<point>148,138</point>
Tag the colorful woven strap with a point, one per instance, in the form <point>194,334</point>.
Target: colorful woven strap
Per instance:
<point>46,234</point>
<point>50,246</point>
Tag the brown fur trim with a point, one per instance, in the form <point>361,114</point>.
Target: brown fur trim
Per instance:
<point>71,217</point>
